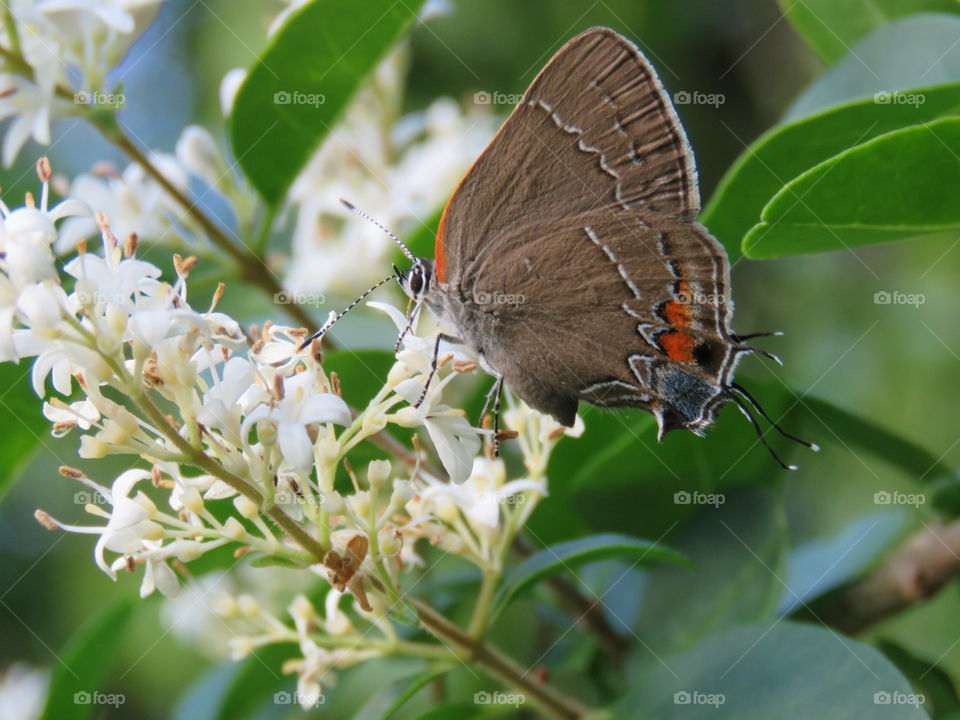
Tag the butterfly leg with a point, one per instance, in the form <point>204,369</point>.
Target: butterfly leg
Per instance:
<point>441,337</point>
<point>497,395</point>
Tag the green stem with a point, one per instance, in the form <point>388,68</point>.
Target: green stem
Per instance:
<point>204,462</point>
<point>551,701</point>
<point>481,610</point>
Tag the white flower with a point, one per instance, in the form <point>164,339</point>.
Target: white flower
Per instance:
<point>129,524</point>
<point>456,441</point>
<point>401,177</point>
<point>481,496</point>
<point>23,692</point>
<point>31,109</point>
<point>133,201</point>
<point>301,405</point>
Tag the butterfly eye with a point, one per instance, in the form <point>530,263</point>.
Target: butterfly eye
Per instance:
<point>416,281</point>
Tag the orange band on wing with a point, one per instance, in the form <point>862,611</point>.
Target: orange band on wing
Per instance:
<point>678,345</point>
<point>678,314</point>
<point>440,262</point>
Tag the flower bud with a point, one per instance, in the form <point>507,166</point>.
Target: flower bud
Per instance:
<point>234,529</point>
<point>248,605</point>
<point>92,448</point>
<point>301,607</point>
<point>378,471</point>
<point>192,500</point>
<point>332,502</point>
<point>246,507</point>
<point>390,542</point>
<point>225,605</point>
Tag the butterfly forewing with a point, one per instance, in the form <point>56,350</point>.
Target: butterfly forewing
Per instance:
<point>595,129</point>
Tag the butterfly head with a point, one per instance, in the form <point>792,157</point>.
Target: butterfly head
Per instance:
<point>416,282</point>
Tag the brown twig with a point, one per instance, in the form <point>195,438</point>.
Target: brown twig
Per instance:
<point>923,565</point>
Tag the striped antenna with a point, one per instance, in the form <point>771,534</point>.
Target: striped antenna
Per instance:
<point>406,251</point>
<point>332,321</point>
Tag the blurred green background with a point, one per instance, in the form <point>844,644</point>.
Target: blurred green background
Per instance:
<point>895,365</point>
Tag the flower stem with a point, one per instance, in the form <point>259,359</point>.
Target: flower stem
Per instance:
<point>205,462</point>
<point>551,701</point>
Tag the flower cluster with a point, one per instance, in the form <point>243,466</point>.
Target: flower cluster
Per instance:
<point>50,42</point>
<point>237,438</point>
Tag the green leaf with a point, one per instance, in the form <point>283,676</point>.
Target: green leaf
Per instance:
<point>740,549</point>
<point>24,426</point>
<point>569,555</point>
<point>831,27</point>
<point>76,687</point>
<point>299,87</point>
<point>387,701</point>
<point>276,561</point>
<point>914,461</point>
<point>927,678</point>
<point>257,682</point>
<point>787,151</point>
<point>916,51</point>
<point>901,185</point>
<point>823,564</point>
<point>461,710</point>
<point>362,373</point>
<point>764,671</point>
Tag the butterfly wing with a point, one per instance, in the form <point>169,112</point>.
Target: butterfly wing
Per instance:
<point>619,308</point>
<point>595,129</point>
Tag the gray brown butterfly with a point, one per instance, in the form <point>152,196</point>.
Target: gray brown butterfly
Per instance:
<point>569,257</point>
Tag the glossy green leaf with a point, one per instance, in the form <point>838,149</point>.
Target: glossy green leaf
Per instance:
<point>898,186</point>
<point>568,556</point>
<point>912,52</point>
<point>765,671</point>
<point>300,85</point>
<point>24,426</point>
<point>831,27</point>
<point>76,687</point>
<point>788,151</point>
<point>390,699</point>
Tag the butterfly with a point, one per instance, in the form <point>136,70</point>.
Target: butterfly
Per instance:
<point>570,258</point>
